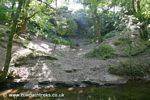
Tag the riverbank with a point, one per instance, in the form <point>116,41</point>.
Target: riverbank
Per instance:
<point>138,90</point>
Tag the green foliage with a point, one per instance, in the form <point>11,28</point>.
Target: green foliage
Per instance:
<point>40,23</point>
<point>111,34</point>
<point>134,47</point>
<point>14,25</point>
<point>65,22</point>
<point>33,26</point>
<point>40,15</point>
<point>62,24</point>
<point>4,14</point>
<point>103,51</point>
<point>145,8</point>
<point>139,9</point>
<point>110,21</point>
<point>60,40</point>
<point>66,26</point>
<point>133,70</point>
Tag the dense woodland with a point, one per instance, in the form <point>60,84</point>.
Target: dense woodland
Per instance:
<point>91,42</point>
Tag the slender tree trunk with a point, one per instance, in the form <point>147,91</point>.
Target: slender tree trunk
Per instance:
<point>23,25</point>
<point>8,55</point>
<point>133,6</point>
<point>137,12</point>
<point>10,41</point>
<point>143,27</point>
<point>97,25</point>
<point>143,31</point>
<point>138,2</point>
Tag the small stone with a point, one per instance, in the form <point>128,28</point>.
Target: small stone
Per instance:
<point>70,89</point>
<point>81,91</point>
<point>82,85</point>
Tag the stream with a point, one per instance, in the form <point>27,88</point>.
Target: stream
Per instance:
<point>133,90</point>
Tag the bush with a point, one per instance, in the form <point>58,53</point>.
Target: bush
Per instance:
<point>121,41</point>
<point>117,43</point>
<point>110,35</point>
<point>109,22</point>
<point>131,70</point>
<point>131,47</point>
<point>4,14</point>
<point>60,40</point>
<point>103,51</point>
<point>66,26</point>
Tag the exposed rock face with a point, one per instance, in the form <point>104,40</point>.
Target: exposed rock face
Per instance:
<point>2,57</point>
<point>70,69</point>
<point>3,40</point>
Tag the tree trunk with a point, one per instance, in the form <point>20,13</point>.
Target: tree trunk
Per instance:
<point>137,13</point>
<point>133,6</point>
<point>8,56</point>
<point>23,25</point>
<point>10,41</point>
<point>97,26</point>
<point>143,32</point>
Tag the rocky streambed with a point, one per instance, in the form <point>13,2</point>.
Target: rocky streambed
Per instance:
<point>39,66</point>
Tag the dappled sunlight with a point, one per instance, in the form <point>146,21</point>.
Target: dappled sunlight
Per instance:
<point>43,47</point>
<point>46,73</point>
<point>4,93</point>
<point>46,47</point>
<point>42,72</point>
<point>7,92</point>
<point>23,73</point>
<point>20,54</point>
<point>85,44</point>
<point>62,47</point>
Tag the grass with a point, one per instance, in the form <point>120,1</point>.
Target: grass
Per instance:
<point>103,51</point>
<point>110,35</point>
<point>133,70</point>
<point>133,48</point>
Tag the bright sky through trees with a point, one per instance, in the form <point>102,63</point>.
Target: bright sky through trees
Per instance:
<point>72,4</point>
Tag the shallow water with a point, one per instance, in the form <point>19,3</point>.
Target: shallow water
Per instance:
<point>133,90</point>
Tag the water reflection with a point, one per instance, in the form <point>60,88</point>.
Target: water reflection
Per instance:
<point>133,90</point>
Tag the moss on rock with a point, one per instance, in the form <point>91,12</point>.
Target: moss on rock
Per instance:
<point>130,69</point>
<point>103,51</point>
